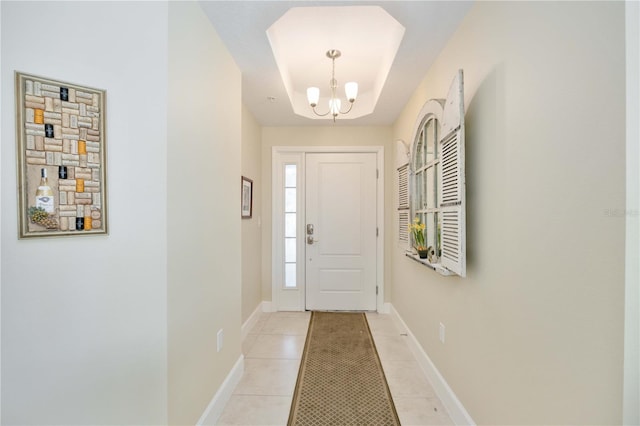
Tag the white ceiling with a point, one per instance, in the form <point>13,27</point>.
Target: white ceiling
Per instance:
<point>243,25</point>
<point>368,63</point>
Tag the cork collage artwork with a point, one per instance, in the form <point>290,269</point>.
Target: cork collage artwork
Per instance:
<point>61,158</point>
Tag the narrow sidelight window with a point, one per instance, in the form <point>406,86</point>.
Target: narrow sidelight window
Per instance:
<point>290,220</point>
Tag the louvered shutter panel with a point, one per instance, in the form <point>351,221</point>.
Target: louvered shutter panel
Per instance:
<point>403,187</point>
<point>403,204</point>
<point>452,178</point>
<point>403,227</point>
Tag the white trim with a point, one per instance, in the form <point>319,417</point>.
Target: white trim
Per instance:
<point>264,306</point>
<point>1,246</point>
<point>214,409</point>
<point>312,149</point>
<point>286,299</point>
<point>267,306</point>
<point>380,213</point>
<point>276,227</point>
<point>631,390</point>
<point>403,153</point>
<point>277,153</point>
<point>433,107</point>
<point>251,321</point>
<point>452,404</point>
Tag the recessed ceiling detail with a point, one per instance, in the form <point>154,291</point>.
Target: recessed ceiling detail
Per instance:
<point>242,27</point>
<point>367,36</point>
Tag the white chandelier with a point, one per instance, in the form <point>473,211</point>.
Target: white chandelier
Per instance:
<point>350,89</point>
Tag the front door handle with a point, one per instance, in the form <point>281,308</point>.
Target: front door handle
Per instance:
<point>310,240</point>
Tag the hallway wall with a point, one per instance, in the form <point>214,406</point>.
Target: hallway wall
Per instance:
<point>84,318</point>
<point>252,228</point>
<point>203,214</point>
<point>121,329</point>
<point>534,334</point>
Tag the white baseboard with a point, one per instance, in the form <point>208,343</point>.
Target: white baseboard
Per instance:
<point>214,409</point>
<point>264,306</point>
<point>456,410</point>
<point>267,306</point>
<point>251,321</point>
<point>385,309</point>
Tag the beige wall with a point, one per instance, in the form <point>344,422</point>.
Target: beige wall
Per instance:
<point>252,228</point>
<point>203,218</point>
<point>320,136</point>
<point>534,334</point>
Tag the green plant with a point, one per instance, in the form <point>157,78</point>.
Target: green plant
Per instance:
<point>417,229</point>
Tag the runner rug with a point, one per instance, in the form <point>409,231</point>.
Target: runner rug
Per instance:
<point>341,381</point>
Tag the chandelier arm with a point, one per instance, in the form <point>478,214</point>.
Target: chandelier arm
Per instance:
<point>347,111</point>
<point>318,114</point>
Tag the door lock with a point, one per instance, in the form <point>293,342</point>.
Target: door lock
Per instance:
<point>309,228</point>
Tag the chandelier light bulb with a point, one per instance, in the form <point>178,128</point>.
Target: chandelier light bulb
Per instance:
<point>351,90</point>
<point>313,96</point>
<point>334,106</point>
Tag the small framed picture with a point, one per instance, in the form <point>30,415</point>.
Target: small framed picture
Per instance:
<point>246,206</point>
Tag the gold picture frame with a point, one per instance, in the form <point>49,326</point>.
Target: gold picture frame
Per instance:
<point>61,147</point>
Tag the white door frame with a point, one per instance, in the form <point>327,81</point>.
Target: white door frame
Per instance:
<point>293,299</point>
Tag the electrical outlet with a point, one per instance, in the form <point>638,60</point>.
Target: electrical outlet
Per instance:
<point>441,332</point>
<point>220,339</point>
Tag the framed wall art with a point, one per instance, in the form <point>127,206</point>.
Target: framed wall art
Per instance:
<point>246,206</point>
<point>61,143</point>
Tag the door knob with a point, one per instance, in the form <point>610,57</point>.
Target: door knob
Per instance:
<point>310,240</point>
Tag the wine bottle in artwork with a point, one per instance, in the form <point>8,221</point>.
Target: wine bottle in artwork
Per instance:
<point>44,194</point>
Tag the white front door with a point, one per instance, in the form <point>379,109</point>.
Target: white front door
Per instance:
<point>340,231</point>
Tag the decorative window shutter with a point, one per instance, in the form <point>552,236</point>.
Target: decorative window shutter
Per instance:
<point>403,228</point>
<point>403,205</point>
<point>452,197</point>
<point>402,167</point>
<point>403,187</point>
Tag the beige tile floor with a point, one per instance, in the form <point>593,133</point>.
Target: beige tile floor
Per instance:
<point>273,349</point>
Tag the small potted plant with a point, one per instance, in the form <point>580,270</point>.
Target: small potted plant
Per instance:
<point>417,229</point>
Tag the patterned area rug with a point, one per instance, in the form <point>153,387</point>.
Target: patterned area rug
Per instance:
<point>341,381</point>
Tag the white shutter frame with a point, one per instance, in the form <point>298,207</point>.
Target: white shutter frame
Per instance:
<point>403,206</point>
<point>433,107</point>
<point>403,228</point>
<point>403,187</point>
<point>403,153</point>
<point>452,199</point>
